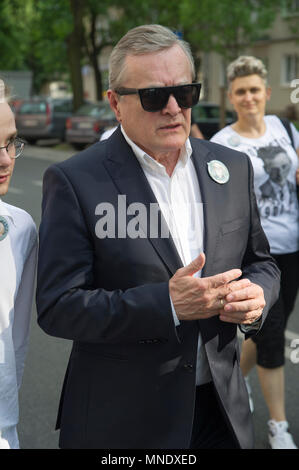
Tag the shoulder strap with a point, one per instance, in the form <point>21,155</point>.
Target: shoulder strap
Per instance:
<point>286,123</point>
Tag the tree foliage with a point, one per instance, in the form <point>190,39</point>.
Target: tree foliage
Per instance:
<point>13,35</point>
<point>55,38</point>
<point>226,27</point>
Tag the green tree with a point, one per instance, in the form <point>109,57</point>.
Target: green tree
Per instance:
<point>98,34</point>
<point>13,35</point>
<point>226,27</point>
<point>55,39</point>
<point>56,43</point>
<point>107,21</point>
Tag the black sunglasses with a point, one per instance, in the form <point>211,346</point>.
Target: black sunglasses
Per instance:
<point>155,99</point>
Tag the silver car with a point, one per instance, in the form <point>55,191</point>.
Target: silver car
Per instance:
<point>43,118</point>
<point>87,124</point>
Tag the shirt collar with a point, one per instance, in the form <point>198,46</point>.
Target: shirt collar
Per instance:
<point>4,211</point>
<point>148,162</point>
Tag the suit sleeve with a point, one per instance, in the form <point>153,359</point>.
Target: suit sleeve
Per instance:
<point>258,266</point>
<point>69,304</point>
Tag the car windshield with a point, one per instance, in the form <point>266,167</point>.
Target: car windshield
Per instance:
<point>92,110</point>
<point>38,107</point>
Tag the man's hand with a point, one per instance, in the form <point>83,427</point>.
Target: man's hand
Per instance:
<point>199,298</point>
<point>243,306</point>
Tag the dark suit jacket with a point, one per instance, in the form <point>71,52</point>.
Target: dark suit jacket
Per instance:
<point>130,381</point>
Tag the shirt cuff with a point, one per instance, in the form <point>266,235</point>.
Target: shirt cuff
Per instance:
<point>175,318</point>
<point>253,326</point>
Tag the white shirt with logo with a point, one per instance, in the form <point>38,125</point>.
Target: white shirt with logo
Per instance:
<point>275,162</point>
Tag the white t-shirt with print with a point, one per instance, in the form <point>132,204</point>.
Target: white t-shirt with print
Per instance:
<point>275,162</point>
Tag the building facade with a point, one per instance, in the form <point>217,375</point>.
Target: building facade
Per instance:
<point>279,50</point>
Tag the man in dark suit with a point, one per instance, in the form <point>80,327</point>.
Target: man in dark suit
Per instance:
<point>151,255</point>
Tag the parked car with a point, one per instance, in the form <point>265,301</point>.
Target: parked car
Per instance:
<point>87,124</point>
<point>207,117</point>
<point>43,118</point>
<point>15,104</point>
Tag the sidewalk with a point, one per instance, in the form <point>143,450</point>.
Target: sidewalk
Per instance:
<point>54,154</point>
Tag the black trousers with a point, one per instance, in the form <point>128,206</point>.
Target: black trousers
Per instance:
<point>210,430</point>
<point>270,340</point>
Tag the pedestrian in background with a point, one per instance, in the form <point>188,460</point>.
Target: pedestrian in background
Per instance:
<point>272,150</point>
<point>18,249</point>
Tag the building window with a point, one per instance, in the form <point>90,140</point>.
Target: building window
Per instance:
<point>290,8</point>
<point>289,69</point>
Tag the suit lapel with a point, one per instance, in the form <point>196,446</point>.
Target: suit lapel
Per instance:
<point>214,208</point>
<point>130,180</point>
<point>213,203</point>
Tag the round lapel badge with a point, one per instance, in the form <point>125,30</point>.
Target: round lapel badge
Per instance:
<point>4,228</point>
<point>234,140</point>
<point>218,171</point>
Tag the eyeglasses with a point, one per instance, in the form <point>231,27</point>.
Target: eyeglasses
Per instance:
<point>14,148</point>
<point>155,99</point>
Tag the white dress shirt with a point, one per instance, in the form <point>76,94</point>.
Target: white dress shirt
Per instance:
<point>18,251</point>
<point>180,201</point>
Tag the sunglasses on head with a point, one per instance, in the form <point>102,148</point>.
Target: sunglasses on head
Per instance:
<point>155,99</point>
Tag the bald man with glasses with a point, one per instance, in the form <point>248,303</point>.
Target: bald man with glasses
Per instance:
<point>18,251</point>
<point>151,256</point>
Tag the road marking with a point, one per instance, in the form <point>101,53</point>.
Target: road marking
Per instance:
<point>13,190</point>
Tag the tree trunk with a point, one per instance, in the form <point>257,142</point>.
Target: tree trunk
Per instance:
<point>97,76</point>
<point>74,43</point>
<point>93,56</point>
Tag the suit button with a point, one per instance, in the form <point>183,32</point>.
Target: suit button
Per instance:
<point>188,367</point>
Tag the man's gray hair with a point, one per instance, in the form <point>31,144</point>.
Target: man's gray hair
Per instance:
<point>246,65</point>
<point>143,40</point>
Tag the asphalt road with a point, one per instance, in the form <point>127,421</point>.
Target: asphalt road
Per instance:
<point>47,357</point>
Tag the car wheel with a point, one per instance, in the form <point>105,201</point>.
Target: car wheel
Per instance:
<point>31,141</point>
<point>79,146</point>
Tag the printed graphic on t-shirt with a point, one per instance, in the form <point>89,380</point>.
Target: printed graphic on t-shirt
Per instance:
<point>277,195</point>
<point>274,161</point>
